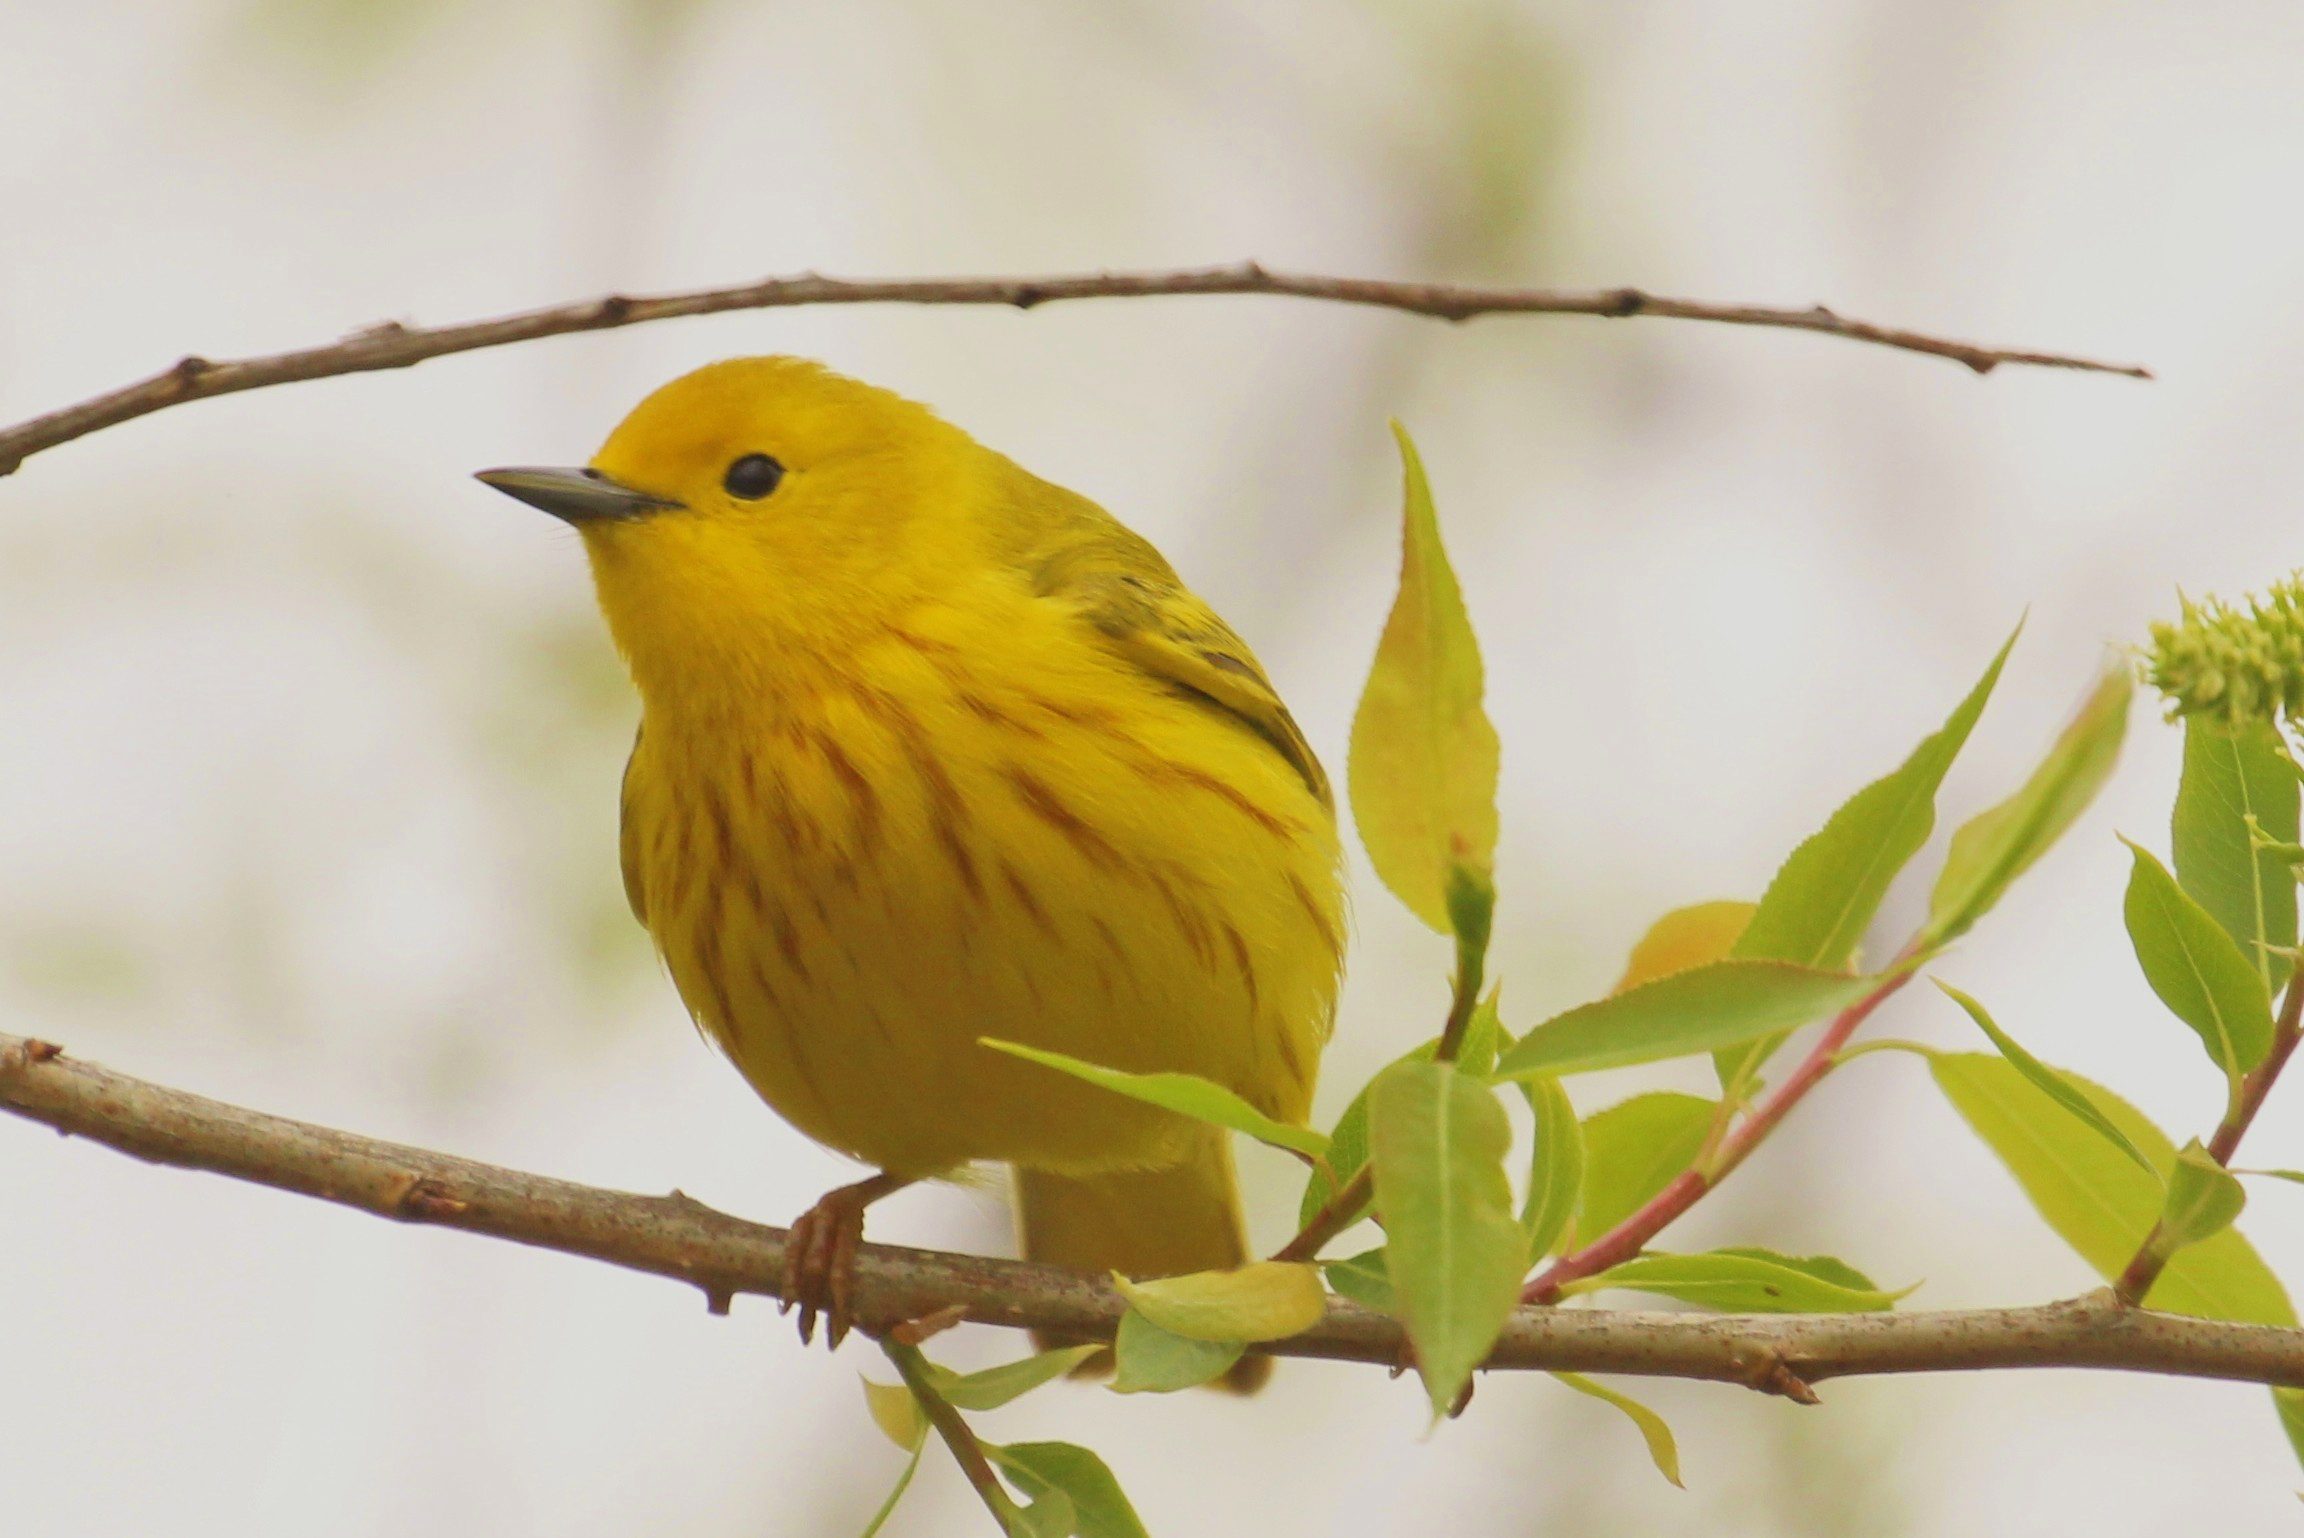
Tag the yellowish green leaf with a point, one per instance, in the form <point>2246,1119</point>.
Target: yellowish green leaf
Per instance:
<point>1184,1093</point>
<point>1555,1166</point>
<point>1747,1281</point>
<point>2098,1201</point>
<point>995,1386</point>
<point>2196,969</point>
<point>1998,845</point>
<point>1150,1360</point>
<point>1662,1450</point>
<point>1723,1004</point>
<point>1632,1150</point>
<point>1816,910</point>
<point>896,1413</point>
<point>2235,807</point>
<point>1264,1300</point>
<point>2049,1081</point>
<point>1364,1279</point>
<point>1684,938</point>
<point>1049,1471</point>
<point>1454,1251</point>
<point>1424,757</point>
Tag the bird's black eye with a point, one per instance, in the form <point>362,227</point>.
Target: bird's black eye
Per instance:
<point>753,477</point>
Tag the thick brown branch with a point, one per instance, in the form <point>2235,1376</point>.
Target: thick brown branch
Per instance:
<point>676,1237</point>
<point>394,345</point>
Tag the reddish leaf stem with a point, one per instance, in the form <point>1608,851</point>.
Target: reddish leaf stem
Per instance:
<point>2150,1260</point>
<point>1631,1236</point>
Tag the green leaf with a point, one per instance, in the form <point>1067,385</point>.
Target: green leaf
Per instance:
<point>1484,1037</point>
<point>1364,1279</point>
<point>2239,791</point>
<point>1720,1005</point>
<point>2197,970</point>
<point>2103,1206</point>
<point>1454,1250</point>
<point>1662,1450</point>
<point>1747,1281</point>
<point>2289,1403</point>
<point>896,1413</point>
<point>1423,758</point>
<point>1555,1167</point>
<point>2203,1200</point>
<point>1041,1470</point>
<point>2293,1177</point>
<point>1996,846</point>
<point>1183,1093</point>
<point>996,1386</point>
<point>1348,1144</point>
<point>2049,1081</point>
<point>1263,1300</point>
<point>1816,910</point>
<point>1156,1361</point>
<point>896,1492</point>
<point>1633,1150</point>
<point>2097,1201</point>
<point>1824,1268</point>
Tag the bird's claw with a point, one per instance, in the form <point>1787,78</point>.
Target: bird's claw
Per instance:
<point>820,1265</point>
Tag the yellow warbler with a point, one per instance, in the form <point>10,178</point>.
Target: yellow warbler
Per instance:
<point>931,751</point>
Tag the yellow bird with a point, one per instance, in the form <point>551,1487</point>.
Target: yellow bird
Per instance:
<point>932,750</point>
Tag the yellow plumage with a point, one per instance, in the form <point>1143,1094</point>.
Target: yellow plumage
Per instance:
<point>933,750</point>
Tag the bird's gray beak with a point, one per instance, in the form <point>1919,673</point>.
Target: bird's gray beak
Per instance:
<point>579,496</point>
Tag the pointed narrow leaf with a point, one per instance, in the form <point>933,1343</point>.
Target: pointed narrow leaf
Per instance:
<point>2293,1177</point>
<point>1720,1005</point>
<point>1151,1360</point>
<point>1816,910</point>
<point>1662,1450</point>
<point>896,1493</point>
<point>2196,970</point>
<point>2239,792</point>
<point>1685,937</point>
<point>1365,1280</point>
<point>2097,1201</point>
<point>1099,1507</point>
<point>1555,1168</point>
<point>2049,1081</point>
<point>1264,1300</point>
<point>1453,1250</point>
<point>1633,1150</point>
<point>1744,1282</point>
<point>896,1413</point>
<point>1484,1037</point>
<point>996,1386</point>
<point>1996,846</point>
<point>1184,1093</point>
<point>1423,759</point>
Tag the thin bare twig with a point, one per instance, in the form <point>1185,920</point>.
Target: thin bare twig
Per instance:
<point>675,1236</point>
<point>394,345</point>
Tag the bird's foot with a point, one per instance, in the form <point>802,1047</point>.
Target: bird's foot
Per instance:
<point>820,1257</point>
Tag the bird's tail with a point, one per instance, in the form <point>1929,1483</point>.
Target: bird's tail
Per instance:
<point>1140,1223</point>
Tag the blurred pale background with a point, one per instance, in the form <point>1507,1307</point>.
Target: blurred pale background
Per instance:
<point>308,745</point>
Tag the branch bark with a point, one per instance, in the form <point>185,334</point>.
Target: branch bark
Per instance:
<point>677,1237</point>
<point>393,345</point>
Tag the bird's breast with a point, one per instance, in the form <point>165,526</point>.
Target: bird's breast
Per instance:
<point>968,830</point>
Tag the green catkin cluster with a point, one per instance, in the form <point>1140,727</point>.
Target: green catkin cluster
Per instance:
<point>2231,665</point>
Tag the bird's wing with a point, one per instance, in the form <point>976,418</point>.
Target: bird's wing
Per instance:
<point>628,839</point>
<point>1134,599</point>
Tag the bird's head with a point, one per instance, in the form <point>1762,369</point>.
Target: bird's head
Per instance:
<point>762,502</point>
